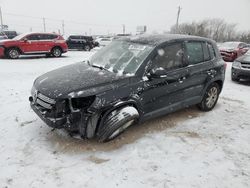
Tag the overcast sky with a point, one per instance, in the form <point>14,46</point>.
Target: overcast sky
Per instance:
<point>107,16</point>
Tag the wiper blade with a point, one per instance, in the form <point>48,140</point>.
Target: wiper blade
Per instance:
<point>88,62</point>
<point>98,66</point>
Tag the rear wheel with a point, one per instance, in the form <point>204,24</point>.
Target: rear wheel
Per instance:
<point>210,98</point>
<point>56,52</point>
<point>13,53</point>
<point>117,122</point>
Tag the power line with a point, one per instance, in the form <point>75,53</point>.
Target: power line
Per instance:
<point>44,25</point>
<point>65,20</point>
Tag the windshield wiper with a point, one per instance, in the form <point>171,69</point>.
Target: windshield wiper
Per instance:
<point>98,66</point>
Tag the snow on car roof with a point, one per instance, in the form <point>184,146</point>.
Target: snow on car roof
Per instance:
<point>158,39</point>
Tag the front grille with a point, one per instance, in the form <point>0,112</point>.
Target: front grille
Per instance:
<point>43,100</point>
<point>46,99</point>
<point>245,65</point>
<point>43,104</point>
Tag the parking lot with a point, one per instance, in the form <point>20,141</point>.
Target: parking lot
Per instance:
<point>185,149</point>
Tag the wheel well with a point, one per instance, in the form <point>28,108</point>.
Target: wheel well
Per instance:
<point>15,47</point>
<point>220,83</point>
<point>107,111</point>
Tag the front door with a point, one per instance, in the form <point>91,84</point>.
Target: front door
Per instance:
<point>30,44</point>
<point>167,92</point>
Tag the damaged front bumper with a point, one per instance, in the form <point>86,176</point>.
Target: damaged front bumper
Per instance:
<point>61,114</point>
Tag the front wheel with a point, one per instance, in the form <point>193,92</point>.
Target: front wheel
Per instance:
<point>235,79</point>
<point>117,122</point>
<point>87,48</point>
<point>210,98</point>
<point>13,53</point>
<point>56,52</point>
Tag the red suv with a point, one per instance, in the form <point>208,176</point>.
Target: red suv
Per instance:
<point>232,50</point>
<point>33,43</point>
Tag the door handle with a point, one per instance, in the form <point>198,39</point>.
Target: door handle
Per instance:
<point>181,79</point>
<point>211,72</point>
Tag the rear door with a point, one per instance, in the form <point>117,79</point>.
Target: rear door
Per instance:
<point>46,42</point>
<point>200,56</point>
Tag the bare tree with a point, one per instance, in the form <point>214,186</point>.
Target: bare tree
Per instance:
<point>216,29</point>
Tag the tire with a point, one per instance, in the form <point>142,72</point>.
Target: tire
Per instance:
<point>56,52</point>
<point>117,122</point>
<point>87,48</point>
<point>235,79</point>
<point>13,53</point>
<point>210,97</point>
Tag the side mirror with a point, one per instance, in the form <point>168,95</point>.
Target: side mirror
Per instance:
<point>25,39</point>
<point>157,73</point>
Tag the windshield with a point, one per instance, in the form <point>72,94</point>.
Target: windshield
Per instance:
<point>229,45</point>
<point>19,37</point>
<point>121,57</point>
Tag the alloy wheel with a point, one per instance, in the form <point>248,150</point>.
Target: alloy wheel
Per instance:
<point>212,97</point>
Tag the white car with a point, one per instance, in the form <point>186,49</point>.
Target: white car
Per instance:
<point>104,41</point>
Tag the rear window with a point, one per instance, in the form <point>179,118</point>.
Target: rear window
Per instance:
<point>206,52</point>
<point>51,37</point>
<point>33,37</point>
<point>211,51</point>
<point>194,52</point>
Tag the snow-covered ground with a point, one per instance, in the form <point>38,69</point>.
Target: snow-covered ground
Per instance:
<point>184,149</point>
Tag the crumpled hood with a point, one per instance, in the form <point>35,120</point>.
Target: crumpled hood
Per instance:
<point>77,80</point>
<point>244,59</point>
<point>228,49</point>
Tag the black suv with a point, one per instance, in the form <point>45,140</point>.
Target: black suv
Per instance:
<point>10,34</point>
<point>131,80</point>
<point>81,42</point>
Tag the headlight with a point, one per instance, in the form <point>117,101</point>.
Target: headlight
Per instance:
<point>33,90</point>
<point>236,64</point>
<point>81,103</point>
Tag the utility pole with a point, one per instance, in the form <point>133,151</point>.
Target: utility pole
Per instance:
<point>63,28</point>
<point>123,29</point>
<point>1,18</point>
<point>44,25</point>
<point>177,20</point>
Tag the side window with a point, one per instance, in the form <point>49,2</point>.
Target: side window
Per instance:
<point>32,37</point>
<point>43,37</point>
<point>211,51</point>
<point>242,45</point>
<point>169,57</point>
<point>206,52</point>
<point>51,37</point>
<point>194,52</point>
